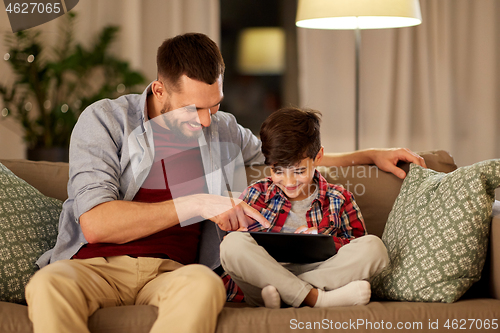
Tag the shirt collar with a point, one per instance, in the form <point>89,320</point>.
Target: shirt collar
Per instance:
<point>322,186</point>
<point>143,102</point>
<point>273,190</point>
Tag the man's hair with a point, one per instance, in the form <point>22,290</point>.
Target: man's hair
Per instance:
<point>192,54</point>
<point>290,135</point>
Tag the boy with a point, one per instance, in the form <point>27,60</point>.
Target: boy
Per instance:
<point>296,198</point>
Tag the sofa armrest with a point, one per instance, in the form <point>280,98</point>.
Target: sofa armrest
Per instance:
<point>495,252</point>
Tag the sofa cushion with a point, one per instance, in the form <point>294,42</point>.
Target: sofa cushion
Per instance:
<point>28,228</point>
<point>50,178</point>
<point>437,233</point>
<point>479,315</point>
<point>469,315</point>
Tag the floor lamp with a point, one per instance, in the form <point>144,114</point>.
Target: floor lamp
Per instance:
<point>356,15</point>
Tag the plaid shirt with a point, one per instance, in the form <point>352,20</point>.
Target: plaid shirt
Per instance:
<point>333,212</point>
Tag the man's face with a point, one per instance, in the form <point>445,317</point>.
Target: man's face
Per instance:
<point>295,181</point>
<point>188,110</point>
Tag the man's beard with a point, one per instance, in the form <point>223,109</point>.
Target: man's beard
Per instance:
<point>165,108</point>
<point>177,130</point>
<point>179,134</point>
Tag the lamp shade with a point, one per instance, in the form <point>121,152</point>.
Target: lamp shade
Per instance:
<point>362,14</point>
<point>261,51</point>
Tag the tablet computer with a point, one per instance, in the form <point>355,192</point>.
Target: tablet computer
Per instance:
<point>296,248</point>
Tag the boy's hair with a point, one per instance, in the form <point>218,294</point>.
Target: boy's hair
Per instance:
<point>192,54</point>
<point>289,135</point>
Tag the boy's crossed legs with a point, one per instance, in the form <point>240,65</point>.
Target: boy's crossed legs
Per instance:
<point>339,281</point>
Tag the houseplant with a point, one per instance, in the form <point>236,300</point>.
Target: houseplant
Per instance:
<point>53,86</point>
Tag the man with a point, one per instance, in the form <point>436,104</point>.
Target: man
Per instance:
<point>119,240</point>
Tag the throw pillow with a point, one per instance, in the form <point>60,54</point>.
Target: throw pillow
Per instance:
<point>437,233</point>
<point>28,228</point>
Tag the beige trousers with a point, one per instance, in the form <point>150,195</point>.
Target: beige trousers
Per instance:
<point>252,268</point>
<point>62,295</point>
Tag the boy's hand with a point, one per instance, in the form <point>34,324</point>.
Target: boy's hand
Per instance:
<point>304,229</point>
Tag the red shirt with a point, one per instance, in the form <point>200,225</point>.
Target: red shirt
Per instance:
<point>176,163</point>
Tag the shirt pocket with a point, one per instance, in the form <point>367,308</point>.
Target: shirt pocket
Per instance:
<point>269,214</point>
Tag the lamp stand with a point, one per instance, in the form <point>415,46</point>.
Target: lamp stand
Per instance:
<point>357,33</point>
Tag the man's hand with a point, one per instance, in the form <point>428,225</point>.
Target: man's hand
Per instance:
<point>386,159</point>
<point>229,213</point>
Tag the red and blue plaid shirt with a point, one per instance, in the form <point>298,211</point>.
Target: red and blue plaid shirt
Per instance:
<point>333,212</point>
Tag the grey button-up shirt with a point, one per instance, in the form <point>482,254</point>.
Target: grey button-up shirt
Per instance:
<point>111,154</point>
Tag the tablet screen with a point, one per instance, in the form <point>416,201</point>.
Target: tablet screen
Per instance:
<point>296,248</point>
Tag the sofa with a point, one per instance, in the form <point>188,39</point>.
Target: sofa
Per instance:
<point>375,191</point>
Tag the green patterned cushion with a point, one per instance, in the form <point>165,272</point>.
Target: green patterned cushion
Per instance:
<point>28,228</point>
<point>437,233</point>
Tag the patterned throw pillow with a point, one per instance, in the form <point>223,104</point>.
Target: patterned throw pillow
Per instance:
<point>28,228</point>
<point>437,233</point>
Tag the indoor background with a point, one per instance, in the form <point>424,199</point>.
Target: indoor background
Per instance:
<point>432,86</point>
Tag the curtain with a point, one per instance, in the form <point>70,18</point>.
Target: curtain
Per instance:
<point>144,24</point>
<point>433,86</point>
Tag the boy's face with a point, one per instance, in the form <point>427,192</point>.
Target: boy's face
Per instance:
<point>297,181</point>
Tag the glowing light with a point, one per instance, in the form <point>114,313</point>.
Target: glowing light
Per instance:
<point>28,106</point>
<point>31,58</point>
<point>357,14</point>
<point>120,88</point>
<point>5,112</point>
<point>6,56</point>
<point>64,108</point>
<point>364,22</point>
